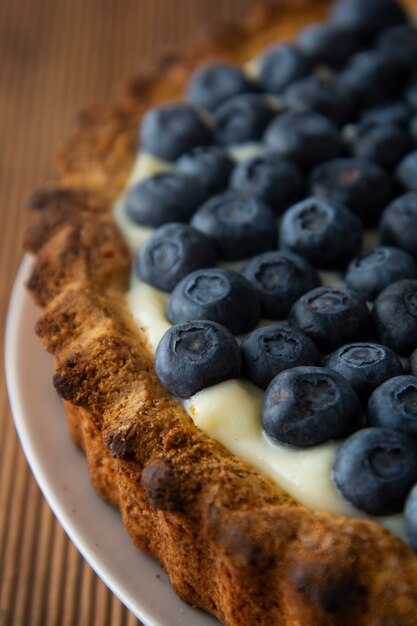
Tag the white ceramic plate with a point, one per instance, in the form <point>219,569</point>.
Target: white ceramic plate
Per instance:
<point>61,472</point>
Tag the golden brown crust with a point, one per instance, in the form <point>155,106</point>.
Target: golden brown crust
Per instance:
<point>230,540</point>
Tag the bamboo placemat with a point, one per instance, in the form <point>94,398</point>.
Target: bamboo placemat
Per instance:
<point>57,56</point>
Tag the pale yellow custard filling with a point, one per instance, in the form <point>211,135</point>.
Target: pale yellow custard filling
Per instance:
<point>230,412</point>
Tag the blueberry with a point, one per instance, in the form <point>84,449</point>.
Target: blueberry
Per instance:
<point>398,225</point>
<point>164,198</point>
<point>241,225</point>
<point>325,96</point>
<point>173,251</point>
<point>360,185</point>
<point>410,517</point>
<point>241,119</point>
<point>412,364</point>
<point>365,366</point>
<point>406,172</point>
<point>193,356</point>
<point>331,317</point>
<point>392,112</point>
<point>280,66</point>
<point>400,42</point>
<point>210,164</point>
<point>410,93</point>
<point>413,129</point>
<point>171,129</point>
<point>307,406</point>
<point>280,278</point>
<point>367,17</point>
<point>372,271</point>
<point>395,316</point>
<point>269,350</point>
<point>375,469</point>
<point>271,178</point>
<point>213,83</point>
<point>393,405</point>
<point>305,137</point>
<point>325,233</point>
<point>372,76</point>
<point>218,295</point>
<point>328,44</point>
<point>384,144</point>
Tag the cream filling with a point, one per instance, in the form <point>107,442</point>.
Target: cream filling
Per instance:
<point>230,412</point>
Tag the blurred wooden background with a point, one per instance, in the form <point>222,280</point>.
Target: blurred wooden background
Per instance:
<point>57,56</point>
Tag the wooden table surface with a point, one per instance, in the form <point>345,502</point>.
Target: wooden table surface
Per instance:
<point>55,57</point>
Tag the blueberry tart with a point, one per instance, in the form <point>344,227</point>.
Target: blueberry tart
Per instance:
<point>191,266</point>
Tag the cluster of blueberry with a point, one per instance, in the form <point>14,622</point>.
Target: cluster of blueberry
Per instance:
<point>338,156</point>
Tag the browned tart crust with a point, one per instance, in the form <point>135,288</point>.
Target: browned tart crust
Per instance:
<point>230,540</point>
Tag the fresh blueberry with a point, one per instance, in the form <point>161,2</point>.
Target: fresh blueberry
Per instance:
<point>365,366</point>
<point>360,185</point>
<point>280,66</point>
<point>271,178</point>
<point>269,350</point>
<point>210,164</point>
<point>307,406</point>
<point>413,129</point>
<point>367,17</point>
<point>410,517</point>
<point>400,42</point>
<point>410,93</point>
<point>241,225</point>
<point>218,295</point>
<point>328,44</point>
<point>164,198</point>
<point>372,271</point>
<point>241,119</point>
<point>193,356</point>
<point>384,144</point>
<point>406,172</point>
<point>398,225</point>
<point>395,316</point>
<point>325,96</point>
<point>372,76</point>
<point>305,137</point>
<point>170,130</point>
<point>213,83</point>
<point>325,233</point>
<point>331,317</point>
<point>280,278</point>
<point>393,405</point>
<point>375,469</point>
<point>393,112</point>
<point>172,252</point>
<point>412,364</point>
